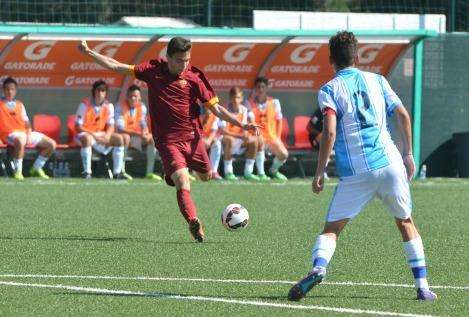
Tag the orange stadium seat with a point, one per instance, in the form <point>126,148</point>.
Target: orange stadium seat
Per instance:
<point>49,125</point>
<point>72,132</point>
<point>301,134</point>
<point>285,131</point>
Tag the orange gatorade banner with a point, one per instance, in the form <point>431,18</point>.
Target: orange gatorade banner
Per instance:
<point>306,66</point>
<point>49,63</point>
<point>297,66</point>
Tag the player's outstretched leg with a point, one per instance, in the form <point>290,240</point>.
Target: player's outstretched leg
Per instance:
<point>186,204</point>
<point>413,247</point>
<point>321,254</point>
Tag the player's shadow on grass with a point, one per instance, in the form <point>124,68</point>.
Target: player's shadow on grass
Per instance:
<point>106,239</point>
<point>164,295</point>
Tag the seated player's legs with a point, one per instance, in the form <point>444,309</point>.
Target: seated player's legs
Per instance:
<point>116,141</point>
<point>281,154</point>
<point>46,147</point>
<point>149,144</point>
<point>230,144</point>
<point>260,159</point>
<point>251,150</point>
<point>19,140</point>
<point>86,141</point>
<point>215,152</point>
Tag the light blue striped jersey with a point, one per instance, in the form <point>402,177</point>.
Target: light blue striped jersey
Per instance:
<point>362,101</point>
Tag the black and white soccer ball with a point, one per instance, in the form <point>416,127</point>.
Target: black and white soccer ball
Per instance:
<point>235,217</point>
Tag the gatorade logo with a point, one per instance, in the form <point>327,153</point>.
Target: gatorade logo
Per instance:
<point>108,48</point>
<point>237,53</point>
<point>368,53</point>
<point>304,53</point>
<point>38,50</point>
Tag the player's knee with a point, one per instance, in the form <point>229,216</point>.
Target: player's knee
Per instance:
<point>227,141</point>
<point>86,140</point>
<point>19,141</point>
<point>117,140</point>
<point>51,145</point>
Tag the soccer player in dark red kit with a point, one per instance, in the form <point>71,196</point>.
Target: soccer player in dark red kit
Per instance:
<point>175,88</point>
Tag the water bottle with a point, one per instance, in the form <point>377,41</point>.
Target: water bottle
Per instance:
<point>60,170</point>
<point>55,170</point>
<point>66,169</point>
<point>423,172</point>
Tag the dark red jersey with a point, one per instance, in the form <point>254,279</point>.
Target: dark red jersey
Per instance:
<point>174,100</point>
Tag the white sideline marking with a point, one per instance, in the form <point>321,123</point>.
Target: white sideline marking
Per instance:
<point>211,299</point>
<point>240,281</point>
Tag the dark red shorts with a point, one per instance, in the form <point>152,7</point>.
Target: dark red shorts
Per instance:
<point>191,154</point>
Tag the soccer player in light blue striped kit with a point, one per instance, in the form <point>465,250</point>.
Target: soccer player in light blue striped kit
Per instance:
<point>355,105</point>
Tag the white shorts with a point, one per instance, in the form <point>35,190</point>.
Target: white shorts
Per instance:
<point>136,142</point>
<point>238,147</point>
<point>34,139</point>
<point>354,192</point>
<point>98,147</point>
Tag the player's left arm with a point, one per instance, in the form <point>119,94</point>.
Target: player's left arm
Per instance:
<point>405,130</point>
<point>279,117</point>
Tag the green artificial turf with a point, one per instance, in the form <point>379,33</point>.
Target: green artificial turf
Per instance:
<point>133,229</point>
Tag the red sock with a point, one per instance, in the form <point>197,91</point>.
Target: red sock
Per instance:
<point>186,204</point>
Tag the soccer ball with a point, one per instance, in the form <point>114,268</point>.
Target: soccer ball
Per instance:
<point>235,217</point>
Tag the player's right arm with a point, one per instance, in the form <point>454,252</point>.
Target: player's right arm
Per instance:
<point>327,144</point>
<point>105,61</point>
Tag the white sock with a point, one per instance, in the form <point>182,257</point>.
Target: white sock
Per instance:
<point>260,159</point>
<point>151,156</point>
<point>249,166</point>
<point>276,165</point>
<point>322,252</point>
<point>117,159</point>
<point>228,164</point>
<point>40,161</point>
<point>85,153</point>
<point>18,162</point>
<point>416,260</point>
<point>215,155</point>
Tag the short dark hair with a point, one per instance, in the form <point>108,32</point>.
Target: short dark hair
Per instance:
<point>97,84</point>
<point>262,80</point>
<point>9,80</point>
<point>235,90</point>
<point>343,48</point>
<point>178,45</point>
<point>133,88</point>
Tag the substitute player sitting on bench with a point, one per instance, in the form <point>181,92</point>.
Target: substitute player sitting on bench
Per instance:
<point>15,130</point>
<point>236,141</point>
<point>95,126</point>
<point>131,123</point>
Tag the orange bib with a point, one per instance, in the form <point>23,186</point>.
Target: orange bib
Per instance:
<point>11,119</point>
<point>208,123</point>
<point>132,123</point>
<point>95,122</point>
<point>266,118</point>
<point>242,117</point>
